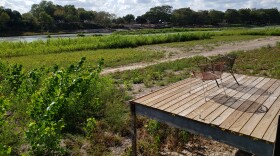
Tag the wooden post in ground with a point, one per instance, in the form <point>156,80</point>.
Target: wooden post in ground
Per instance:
<point>276,151</point>
<point>133,129</point>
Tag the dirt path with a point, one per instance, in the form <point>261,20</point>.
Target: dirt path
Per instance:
<point>180,53</point>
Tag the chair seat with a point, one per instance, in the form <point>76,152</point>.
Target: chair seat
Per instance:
<point>207,75</point>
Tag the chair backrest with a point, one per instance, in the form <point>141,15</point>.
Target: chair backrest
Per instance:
<point>210,71</point>
<point>218,66</point>
<point>212,67</point>
<point>228,59</point>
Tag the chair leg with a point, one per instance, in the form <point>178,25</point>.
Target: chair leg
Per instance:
<point>204,91</point>
<point>217,83</point>
<point>234,77</point>
<point>223,86</point>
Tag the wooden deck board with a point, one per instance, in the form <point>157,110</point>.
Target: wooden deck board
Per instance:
<point>270,135</point>
<point>222,105</point>
<point>235,114</point>
<point>232,92</point>
<point>263,125</point>
<point>169,94</point>
<point>238,112</point>
<point>220,115</point>
<point>252,106</point>
<point>251,96</point>
<point>233,102</point>
<point>183,111</point>
<point>180,95</point>
<point>256,117</point>
<point>163,92</point>
<point>196,95</point>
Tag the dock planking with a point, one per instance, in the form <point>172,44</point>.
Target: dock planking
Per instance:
<point>250,109</point>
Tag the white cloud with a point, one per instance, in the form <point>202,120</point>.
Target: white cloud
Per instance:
<point>139,7</point>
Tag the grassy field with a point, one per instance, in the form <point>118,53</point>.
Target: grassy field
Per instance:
<point>37,105</point>
<point>11,49</point>
<point>268,31</point>
<point>261,62</point>
<point>166,30</point>
<point>118,57</point>
<point>112,57</point>
<point>209,44</point>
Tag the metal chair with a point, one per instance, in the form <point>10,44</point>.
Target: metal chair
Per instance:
<point>211,71</point>
<point>229,63</point>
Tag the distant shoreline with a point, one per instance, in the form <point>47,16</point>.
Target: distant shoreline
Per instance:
<point>57,33</point>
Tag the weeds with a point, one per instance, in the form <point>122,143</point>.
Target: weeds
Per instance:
<point>160,31</point>
<point>11,49</point>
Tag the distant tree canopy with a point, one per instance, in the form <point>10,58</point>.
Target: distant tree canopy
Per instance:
<point>47,16</point>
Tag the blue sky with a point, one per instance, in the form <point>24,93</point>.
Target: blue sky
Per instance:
<point>139,7</point>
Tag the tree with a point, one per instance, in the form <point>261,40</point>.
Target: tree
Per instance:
<point>85,16</point>
<point>59,15</point>
<point>232,16</point>
<point>216,17</point>
<point>29,22</point>
<point>159,14</point>
<point>71,14</point>
<point>140,20</point>
<point>119,20</point>
<point>273,16</point>
<point>183,17</point>
<point>202,17</point>
<point>258,16</point>
<point>129,18</point>
<point>4,18</point>
<point>45,20</point>
<point>245,16</point>
<point>103,18</point>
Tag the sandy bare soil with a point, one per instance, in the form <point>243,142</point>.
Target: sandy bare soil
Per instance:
<point>180,53</point>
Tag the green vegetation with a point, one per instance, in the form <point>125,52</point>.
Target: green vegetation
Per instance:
<point>213,41</point>
<point>9,49</point>
<point>160,74</point>
<point>244,31</point>
<point>261,62</point>
<point>116,57</point>
<point>270,31</point>
<point>112,57</point>
<point>161,31</point>
<point>42,89</point>
<point>41,105</point>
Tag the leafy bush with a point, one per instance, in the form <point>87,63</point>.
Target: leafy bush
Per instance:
<point>4,149</point>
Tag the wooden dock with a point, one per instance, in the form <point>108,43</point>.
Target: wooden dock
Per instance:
<point>245,117</point>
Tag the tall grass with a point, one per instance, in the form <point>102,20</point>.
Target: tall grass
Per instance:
<point>165,30</point>
<point>9,49</point>
<point>215,31</point>
<point>112,57</point>
<point>243,31</point>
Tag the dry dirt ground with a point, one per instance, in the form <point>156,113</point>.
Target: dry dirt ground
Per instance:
<point>198,145</point>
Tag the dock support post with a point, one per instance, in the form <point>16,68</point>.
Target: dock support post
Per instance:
<point>133,129</point>
<point>276,151</point>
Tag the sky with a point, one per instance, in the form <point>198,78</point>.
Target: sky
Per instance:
<point>139,7</point>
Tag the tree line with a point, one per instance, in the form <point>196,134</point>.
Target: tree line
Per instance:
<point>47,16</point>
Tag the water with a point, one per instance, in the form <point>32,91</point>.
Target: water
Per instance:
<point>44,37</point>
